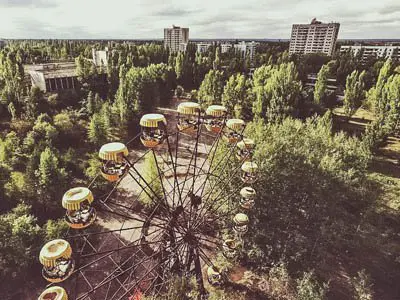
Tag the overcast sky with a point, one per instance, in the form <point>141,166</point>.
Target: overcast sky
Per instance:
<point>141,19</point>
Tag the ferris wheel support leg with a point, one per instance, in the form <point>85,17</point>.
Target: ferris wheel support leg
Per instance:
<point>174,164</point>
<point>199,275</point>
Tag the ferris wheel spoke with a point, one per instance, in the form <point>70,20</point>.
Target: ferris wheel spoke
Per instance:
<point>138,282</point>
<point>110,277</point>
<point>174,164</point>
<point>215,210</point>
<point>205,257</point>
<point>164,172</point>
<point>209,205</point>
<point>160,178</point>
<point>130,276</point>
<point>147,189</point>
<point>207,174</point>
<point>204,239</point>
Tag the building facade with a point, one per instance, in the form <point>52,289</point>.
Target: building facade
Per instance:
<point>225,47</point>
<point>392,52</point>
<point>246,49</point>
<point>176,38</point>
<point>203,47</point>
<point>53,77</point>
<point>100,58</point>
<point>316,37</point>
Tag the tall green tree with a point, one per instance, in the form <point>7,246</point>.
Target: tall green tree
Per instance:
<point>354,93</point>
<point>217,60</point>
<point>98,132</point>
<point>35,103</point>
<point>179,60</point>
<point>211,89</point>
<point>376,97</point>
<point>276,91</point>
<point>321,89</point>
<point>235,97</point>
<point>283,90</point>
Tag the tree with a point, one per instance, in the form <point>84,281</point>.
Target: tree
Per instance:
<point>321,90</point>
<point>48,172</point>
<point>35,103</point>
<point>260,78</point>
<point>211,89</point>
<point>90,104</point>
<point>354,93</point>
<point>50,176</point>
<point>154,190</point>
<point>21,237</point>
<point>235,97</point>
<point>217,60</point>
<point>375,96</point>
<point>10,149</point>
<point>276,91</point>
<point>302,165</point>
<point>283,89</point>
<point>98,132</point>
<point>179,65</point>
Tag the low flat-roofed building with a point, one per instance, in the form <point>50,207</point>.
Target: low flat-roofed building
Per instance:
<point>376,51</point>
<point>53,77</point>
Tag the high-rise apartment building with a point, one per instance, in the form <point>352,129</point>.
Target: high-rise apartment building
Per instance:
<point>176,38</point>
<point>316,37</point>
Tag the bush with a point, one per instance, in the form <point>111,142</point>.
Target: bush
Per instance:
<point>362,286</point>
<point>179,91</point>
<point>305,171</point>
<point>309,289</point>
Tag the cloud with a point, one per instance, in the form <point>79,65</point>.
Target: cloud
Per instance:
<point>27,3</point>
<point>37,29</point>
<point>174,12</point>
<point>145,19</point>
<point>390,9</point>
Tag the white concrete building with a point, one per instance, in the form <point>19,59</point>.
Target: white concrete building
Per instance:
<point>100,57</point>
<point>176,38</point>
<point>377,51</point>
<point>203,47</point>
<point>225,47</point>
<point>53,77</point>
<point>316,37</point>
<point>246,48</point>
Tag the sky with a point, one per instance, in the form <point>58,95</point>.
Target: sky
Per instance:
<point>145,19</point>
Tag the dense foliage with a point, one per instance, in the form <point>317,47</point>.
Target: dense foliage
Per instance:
<point>312,180</point>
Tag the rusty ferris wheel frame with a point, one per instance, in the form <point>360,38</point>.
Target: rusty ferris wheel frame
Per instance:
<point>184,222</point>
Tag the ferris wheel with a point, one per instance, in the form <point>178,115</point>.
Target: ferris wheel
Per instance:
<point>116,249</point>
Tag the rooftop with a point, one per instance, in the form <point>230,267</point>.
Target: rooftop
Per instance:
<point>53,70</point>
